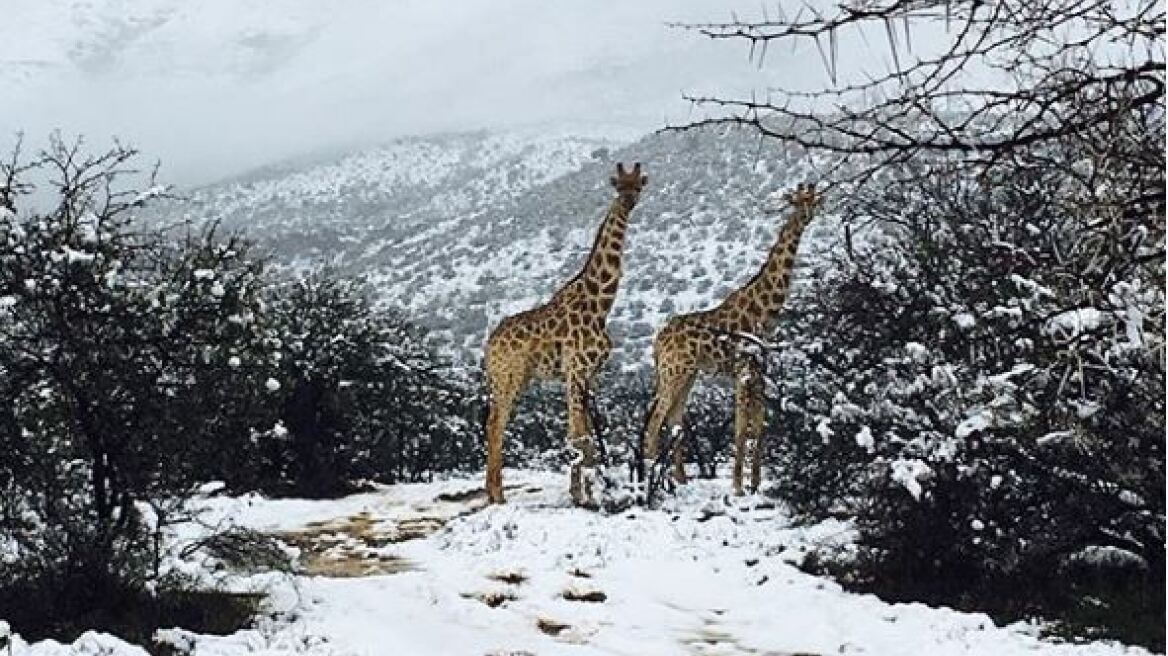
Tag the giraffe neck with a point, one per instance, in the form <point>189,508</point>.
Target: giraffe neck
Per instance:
<point>756,305</point>
<point>601,274</point>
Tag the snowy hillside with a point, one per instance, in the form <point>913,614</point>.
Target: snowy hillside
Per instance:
<point>427,569</point>
<point>464,229</point>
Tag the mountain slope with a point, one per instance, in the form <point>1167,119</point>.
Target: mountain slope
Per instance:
<point>463,229</point>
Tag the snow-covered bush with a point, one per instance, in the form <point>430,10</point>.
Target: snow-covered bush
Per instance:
<point>115,349</point>
<point>980,378</point>
<point>137,363</point>
<point>359,393</point>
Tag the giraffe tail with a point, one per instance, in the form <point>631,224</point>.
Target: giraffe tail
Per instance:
<point>485,398</point>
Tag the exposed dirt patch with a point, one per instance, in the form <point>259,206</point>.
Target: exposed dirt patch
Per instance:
<point>351,565</point>
<point>583,594</point>
<point>464,495</point>
<point>709,636</point>
<point>417,528</point>
<point>355,546</point>
<point>551,627</point>
<point>511,577</point>
<point>712,639</point>
<point>475,493</point>
<point>492,598</point>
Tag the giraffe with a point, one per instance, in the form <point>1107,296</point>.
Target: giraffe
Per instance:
<point>563,339</point>
<point>712,341</point>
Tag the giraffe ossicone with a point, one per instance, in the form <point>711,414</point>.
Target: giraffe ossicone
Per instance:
<point>564,339</point>
<point>724,341</point>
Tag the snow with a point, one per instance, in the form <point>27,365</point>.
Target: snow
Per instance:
<point>823,428</point>
<point>1031,286</point>
<point>1054,437</point>
<point>865,440</point>
<point>917,351</point>
<point>1003,379</point>
<point>706,574</point>
<point>964,320</point>
<point>1085,409</point>
<point>1108,556</point>
<point>978,419</point>
<point>211,487</point>
<point>73,256</point>
<point>909,473</point>
<point>1072,323</point>
<point>272,384</point>
<point>153,192</point>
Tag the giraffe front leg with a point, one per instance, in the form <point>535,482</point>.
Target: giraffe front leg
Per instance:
<point>503,390</point>
<point>581,441</point>
<point>757,416</point>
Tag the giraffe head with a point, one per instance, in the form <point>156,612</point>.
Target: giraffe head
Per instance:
<point>628,184</point>
<point>805,200</point>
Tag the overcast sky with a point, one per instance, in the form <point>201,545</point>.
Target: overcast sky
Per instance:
<point>219,86</point>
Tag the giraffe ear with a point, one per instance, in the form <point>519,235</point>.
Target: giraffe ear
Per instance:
<point>613,180</point>
<point>644,180</point>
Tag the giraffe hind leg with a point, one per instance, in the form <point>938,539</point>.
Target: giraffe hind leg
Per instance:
<point>748,411</point>
<point>757,426</point>
<point>675,419</point>
<point>664,413</point>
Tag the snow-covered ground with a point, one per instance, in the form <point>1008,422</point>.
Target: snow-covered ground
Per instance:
<point>430,569</point>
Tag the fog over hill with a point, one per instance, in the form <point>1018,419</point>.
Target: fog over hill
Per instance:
<point>220,86</point>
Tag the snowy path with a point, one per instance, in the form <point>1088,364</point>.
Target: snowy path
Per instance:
<point>431,570</point>
<point>703,578</point>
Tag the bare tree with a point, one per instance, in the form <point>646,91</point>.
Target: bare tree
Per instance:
<point>1051,69</point>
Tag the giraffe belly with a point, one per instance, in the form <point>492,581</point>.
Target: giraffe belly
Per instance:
<point>717,359</point>
<point>695,348</point>
<point>547,362</point>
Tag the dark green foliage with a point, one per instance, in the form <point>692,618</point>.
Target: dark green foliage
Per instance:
<point>137,363</point>
<point>979,379</point>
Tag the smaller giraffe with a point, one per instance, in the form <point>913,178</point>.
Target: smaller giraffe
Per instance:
<point>713,341</point>
<point>564,339</point>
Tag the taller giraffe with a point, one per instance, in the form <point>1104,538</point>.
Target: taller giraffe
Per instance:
<point>563,339</point>
<point>711,341</point>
